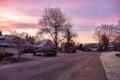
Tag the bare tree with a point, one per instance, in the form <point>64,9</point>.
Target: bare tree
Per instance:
<point>69,45</point>
<point>117,36</point>
<point>105,34</point>
<point>104,42</point>
<point>54,22</point>
<point>19,45</point>
<point>108,30</point>
<point>22,34</point>
<point>69,34</point>
<point>117,41</point>
<point>30,39</point>
<point>37,37</point>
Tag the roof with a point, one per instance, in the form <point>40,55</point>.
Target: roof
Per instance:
<point>2,37</point>
<point>8,37</point>
<point>11,39</point>
<point>44,42</point>
<point>4,44</point>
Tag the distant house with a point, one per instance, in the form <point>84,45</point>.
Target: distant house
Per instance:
<point>111,46</point>
<point>44,45</point>
<point>117,46</point>
<point>91,46</point>
<point>95,46</point>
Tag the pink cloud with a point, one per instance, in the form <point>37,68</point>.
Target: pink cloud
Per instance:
<point>26,26</point>
<point>20,27</point>
<point>5,27</point>
<point>2,2</point>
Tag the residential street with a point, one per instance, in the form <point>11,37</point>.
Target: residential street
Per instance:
<point>78,66</point>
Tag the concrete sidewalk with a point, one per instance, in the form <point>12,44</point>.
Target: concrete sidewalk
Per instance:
<point>93,70</point>
<point>111,65</point>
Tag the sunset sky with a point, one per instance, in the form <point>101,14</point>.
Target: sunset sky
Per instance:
<point>86,15</point>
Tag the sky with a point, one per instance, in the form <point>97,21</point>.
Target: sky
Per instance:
<point>86,15</point>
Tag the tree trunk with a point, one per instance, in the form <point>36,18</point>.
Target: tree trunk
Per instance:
<point>56,40</point>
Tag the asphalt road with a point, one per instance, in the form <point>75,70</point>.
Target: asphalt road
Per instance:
<point>78,66</point>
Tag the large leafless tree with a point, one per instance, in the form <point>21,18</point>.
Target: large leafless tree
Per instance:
<point>108,30</point>
<point>21,35</point>
<point>54,23</point>
<point>19,45</point>
<point>105,34</point>
<point>117,36</point>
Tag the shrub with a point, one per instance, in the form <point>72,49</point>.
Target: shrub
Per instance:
<point>4,55</point>
<point>28,51</point>
<point>118,54</point>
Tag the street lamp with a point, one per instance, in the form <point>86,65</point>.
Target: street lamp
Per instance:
<point>98,30</point>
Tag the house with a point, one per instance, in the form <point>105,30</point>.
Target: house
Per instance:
<point>12,42</point>
<point>91,46</point>
<point>117,46</point>
<point>2,38</point>
<point>44,45</point>
<point>7,40</point>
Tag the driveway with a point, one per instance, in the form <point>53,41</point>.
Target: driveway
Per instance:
<point>78,66</point>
